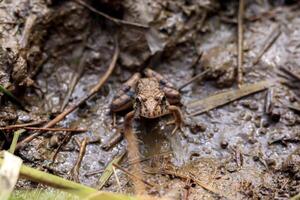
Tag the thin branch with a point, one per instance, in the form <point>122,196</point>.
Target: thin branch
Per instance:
<point>133,175</point>
<point>290,72</point>
<point>63,142</point>
<point>198,76</point>
<point>23,125</point>
<point>240,44</point>
<point>115,20</point>
<point>75,169</point>
<point>46,129</point>
<point>117,179</point>
<point>271,38</point>
<point>75,75</point>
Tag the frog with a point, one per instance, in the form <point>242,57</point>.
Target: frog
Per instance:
<point>152,96</point>
<point>149,96</point>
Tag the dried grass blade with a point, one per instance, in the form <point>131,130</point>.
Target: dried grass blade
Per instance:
<point>200,106</point>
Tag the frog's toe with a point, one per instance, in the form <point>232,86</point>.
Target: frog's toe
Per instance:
<point>178,126</point>
<point>175,129</point>
<point>171,122</point>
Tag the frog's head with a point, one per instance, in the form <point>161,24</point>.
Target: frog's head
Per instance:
<point>150,101</point>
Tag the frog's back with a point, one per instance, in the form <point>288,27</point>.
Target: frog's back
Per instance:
<point>148,87</point>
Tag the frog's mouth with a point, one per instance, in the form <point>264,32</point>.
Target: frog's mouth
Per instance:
<point>153,115</point>
<point>158,111</point>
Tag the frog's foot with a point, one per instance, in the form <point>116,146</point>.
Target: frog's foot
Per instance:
<point>178,125</point>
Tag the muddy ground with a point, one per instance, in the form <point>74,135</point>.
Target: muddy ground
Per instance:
<point>241,150</point>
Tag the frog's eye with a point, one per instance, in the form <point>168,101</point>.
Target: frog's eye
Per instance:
<point>138,100</point>
<point>157,98</point>
<point>164,98</point>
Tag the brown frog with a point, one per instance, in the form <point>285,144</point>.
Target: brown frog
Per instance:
<point>151,97</point>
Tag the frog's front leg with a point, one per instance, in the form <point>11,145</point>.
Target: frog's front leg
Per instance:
<point>178,118</point>
<point>121,102</point>
<point>170,91</point>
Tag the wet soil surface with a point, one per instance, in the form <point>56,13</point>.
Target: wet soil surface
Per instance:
<point>241,150</point>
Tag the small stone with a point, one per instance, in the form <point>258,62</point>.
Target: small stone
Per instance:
<point>255,158</point>
<point>247,117</point>
<point>231,167</point>
<point>265,123</point>
<point>210,135</point>
<point>193,155</point>
<point>252,140</point>
<point>257,123</point>
<point>275,115</point>
<point>242,115</point>
<point>216,129</point>
<point>292,99</point>
<point>196,128</point>
<point>224,144</point>
<point>234,104</point>
<point>270,162</point>
<point>252,105</point>
<point>24,118</point>
<point>262,131</point>
<point>54,140</point>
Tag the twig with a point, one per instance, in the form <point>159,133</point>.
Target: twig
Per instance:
<point>64,141</point>
<point>117,178</point>
<point>15,140</point>
<point>133,175</point>
<point>23,125</point>
<point>269,101</point>
<point>115,20</point>
<point>271,38</point>
<point>91,173</point>
<point>78,71</point>
<point>113,141</point>
<point>187,187</point>
<point>46,129</point>
<point>293,107</point>
<point>75,169</point>
<point>240,44</point>
<point>290,73</point>
<point>30,21</point>
<point>131,162</point>
<point>75,78</point>
<point>185,176</point>
<point>198,76</point>
<point>10,23</point>
<point>73,107</point>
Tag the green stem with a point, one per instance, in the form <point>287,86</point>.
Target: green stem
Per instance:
<point>54,181</point>
<point>15,140</point>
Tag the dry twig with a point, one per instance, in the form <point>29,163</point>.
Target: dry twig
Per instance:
<point>46,129</point>
<point>22,125</point>
<point>133,175</point>
<point>271,38</point>
<point>115,20</point>
<point>240,43</point>
<point>64,141</point>
<point>75,169</point>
